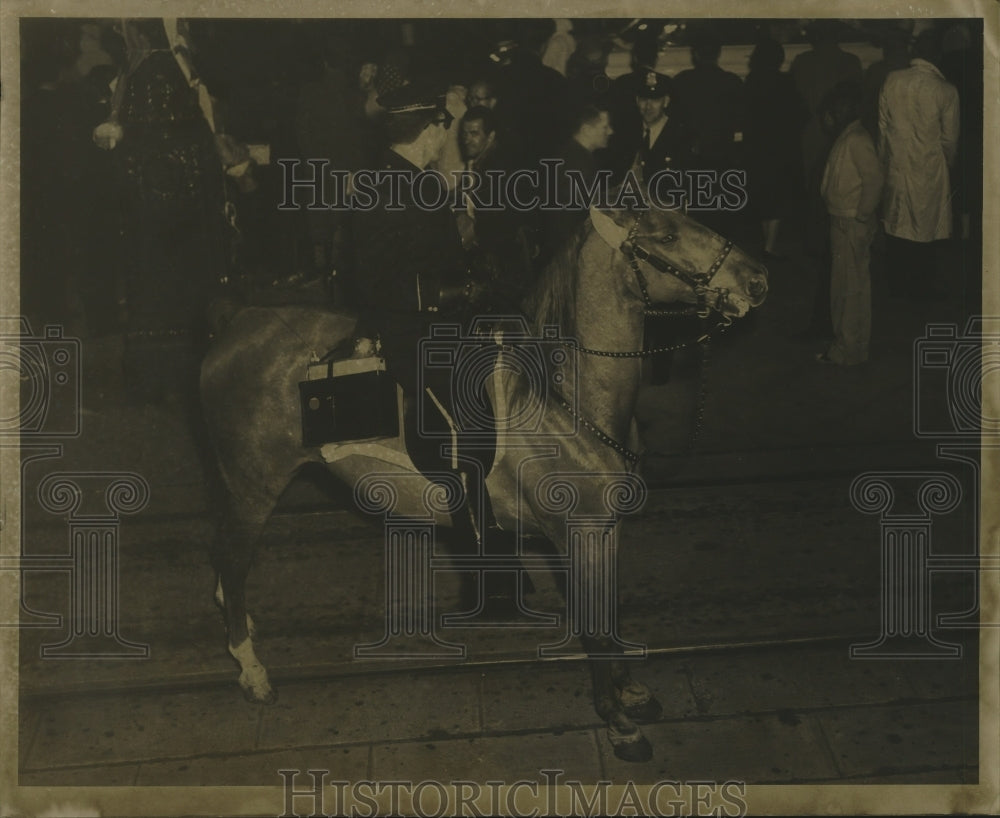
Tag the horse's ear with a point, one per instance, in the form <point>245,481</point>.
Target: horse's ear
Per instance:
<point>608,229</point>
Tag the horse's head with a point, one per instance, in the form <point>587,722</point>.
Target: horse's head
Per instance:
<point>675,258</point>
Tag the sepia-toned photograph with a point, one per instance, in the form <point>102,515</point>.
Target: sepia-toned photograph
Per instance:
<point>460,411</point>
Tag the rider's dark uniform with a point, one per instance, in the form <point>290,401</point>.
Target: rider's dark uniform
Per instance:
<point>410,273</point>
<point>403,258</point>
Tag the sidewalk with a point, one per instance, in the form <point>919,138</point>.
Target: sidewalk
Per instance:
<point>792,715</point>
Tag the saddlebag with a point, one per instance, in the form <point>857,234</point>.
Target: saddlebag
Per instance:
<point>350,399</point>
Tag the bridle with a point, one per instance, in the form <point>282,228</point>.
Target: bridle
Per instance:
<point>709,298</point>
<point>699,282</point>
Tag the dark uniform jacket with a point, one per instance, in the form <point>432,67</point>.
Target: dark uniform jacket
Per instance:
<point>672,149</point>
<point>401,259</point>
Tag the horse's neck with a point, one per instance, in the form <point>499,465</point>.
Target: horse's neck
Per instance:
<point>607,318</point>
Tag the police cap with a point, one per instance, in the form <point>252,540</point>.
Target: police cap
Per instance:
<point>653,85</point>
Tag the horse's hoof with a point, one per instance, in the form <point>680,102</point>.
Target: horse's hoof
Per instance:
<point>257,687</point>
<point>634,751</point>
<point>645,712</point>
<point>268,696</point>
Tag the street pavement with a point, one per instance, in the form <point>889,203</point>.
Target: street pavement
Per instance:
<point>748,575</point>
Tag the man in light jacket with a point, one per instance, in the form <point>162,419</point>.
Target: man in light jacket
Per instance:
<point>851,187</point>
<point>918,136</point>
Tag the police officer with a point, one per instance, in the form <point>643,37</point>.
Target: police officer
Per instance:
<point>410,267</point>
<point>661,140</point>
<point>412,272</point>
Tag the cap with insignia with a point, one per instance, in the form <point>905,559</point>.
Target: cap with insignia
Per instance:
<point>653,85</point>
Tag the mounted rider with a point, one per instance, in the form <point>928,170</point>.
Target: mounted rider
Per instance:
<point>412,273</point>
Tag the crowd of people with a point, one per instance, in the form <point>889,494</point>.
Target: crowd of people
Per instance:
<point>156,182</point>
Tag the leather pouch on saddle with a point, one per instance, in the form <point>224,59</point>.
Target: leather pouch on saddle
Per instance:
<point>348,396</point>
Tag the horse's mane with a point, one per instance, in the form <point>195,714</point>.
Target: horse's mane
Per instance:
<point>553,298</point>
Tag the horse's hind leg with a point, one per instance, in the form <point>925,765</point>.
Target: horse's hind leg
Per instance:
<point>232,557</point>
<point>220,600</point>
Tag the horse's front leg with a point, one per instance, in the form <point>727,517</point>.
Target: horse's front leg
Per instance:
<point>232,560</point>
<point>627,740</point>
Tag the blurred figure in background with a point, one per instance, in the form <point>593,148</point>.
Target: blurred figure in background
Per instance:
<point>962,66</point>
<point>815,73</point>
<point>481,93</point>
<point>851,187</point>
<point>451,159</point>
<point>171,191</point>
<point>774,120</point>
<point>710,102</point>
<point>660,142</point>
<point>499,238</point>
<point>560,46</point>
<point>591,132</point>
<point>329,125</point>
<point>895,43</point>
<point>532,99</point>
<point>919,128</point>
<point>816,228</point>
<point>585,72</point>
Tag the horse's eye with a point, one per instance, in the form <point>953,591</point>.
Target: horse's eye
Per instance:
<point>670,238</point>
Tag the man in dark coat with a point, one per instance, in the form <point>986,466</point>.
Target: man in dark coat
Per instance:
<point>578,169</point>
<point>710,100</point>
<point>533,100</point>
